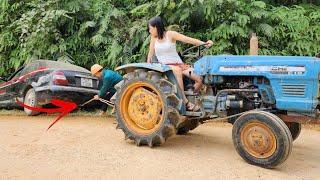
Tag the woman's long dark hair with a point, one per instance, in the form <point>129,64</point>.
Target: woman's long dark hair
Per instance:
<point>158,23</point>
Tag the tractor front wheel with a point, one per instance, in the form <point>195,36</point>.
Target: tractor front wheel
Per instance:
<point>147,107</point>
<point>261,138</point>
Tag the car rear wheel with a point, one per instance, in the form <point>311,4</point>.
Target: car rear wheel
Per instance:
<point>30,99</point>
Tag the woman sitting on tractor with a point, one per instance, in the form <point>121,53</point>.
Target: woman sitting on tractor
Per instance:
<point>163,45</point>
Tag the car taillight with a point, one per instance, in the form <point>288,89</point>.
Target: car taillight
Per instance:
<point>59,78</point>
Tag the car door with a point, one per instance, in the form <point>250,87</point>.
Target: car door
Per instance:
<point>3,91</point>
<point>24,79</point>
<point>6,89</point>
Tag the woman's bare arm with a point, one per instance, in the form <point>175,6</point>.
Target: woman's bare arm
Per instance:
<point>151,50</point>
<point>180,37</point>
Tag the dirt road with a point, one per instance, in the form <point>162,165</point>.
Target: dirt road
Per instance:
<point>91,147</point>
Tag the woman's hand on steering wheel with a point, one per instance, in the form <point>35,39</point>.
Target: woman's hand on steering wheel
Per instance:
<point>208,44</point>
<point>200,50</point>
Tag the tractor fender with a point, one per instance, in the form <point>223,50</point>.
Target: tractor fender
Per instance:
<point>150,66</point>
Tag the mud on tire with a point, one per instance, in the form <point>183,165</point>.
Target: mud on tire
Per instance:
<point>295,129</point>
<point>187,126</point>
<point>140,97</point>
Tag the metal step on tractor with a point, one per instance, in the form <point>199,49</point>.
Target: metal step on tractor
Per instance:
<point>266,98</point>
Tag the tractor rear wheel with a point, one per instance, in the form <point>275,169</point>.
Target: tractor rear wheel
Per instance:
<point>147,107</point>
<point>261,138</point>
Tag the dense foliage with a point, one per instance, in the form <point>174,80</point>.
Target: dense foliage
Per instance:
<point>292,2</point>
<point>113,32</point>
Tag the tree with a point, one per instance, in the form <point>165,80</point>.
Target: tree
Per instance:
<point>113,32</point>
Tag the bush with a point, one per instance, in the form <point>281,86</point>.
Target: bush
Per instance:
<point>113,32</point>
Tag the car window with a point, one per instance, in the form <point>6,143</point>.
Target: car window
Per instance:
<point>2,80</point>
<point>30,67</point>
<point>62,66</point>
<point>16,74</point>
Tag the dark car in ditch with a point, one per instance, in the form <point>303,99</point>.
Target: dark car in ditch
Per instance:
<point>40,81</point>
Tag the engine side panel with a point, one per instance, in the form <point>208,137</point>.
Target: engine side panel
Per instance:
<point>294,80</point>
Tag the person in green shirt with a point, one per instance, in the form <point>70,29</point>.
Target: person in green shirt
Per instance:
<point>109,79</point>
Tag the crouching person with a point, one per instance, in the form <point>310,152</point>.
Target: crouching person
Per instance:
<point>109,79</point>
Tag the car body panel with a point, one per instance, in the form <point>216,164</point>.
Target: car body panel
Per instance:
<point>39,75</point>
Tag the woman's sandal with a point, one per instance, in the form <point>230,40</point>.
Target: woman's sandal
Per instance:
<point>192,107</point>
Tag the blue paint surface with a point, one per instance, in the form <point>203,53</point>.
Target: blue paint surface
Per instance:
<point>294,79</point>
<point>151,66</point>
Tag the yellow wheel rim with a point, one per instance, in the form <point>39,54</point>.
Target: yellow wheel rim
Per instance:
<point>258,140</point>
<point>142,107</point>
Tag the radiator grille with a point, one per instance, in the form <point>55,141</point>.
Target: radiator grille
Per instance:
<point>294,90</point>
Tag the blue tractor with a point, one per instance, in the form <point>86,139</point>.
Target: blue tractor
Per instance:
<point>266,98</point>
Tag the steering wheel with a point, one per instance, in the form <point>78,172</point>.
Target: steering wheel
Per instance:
<point>190,53</point>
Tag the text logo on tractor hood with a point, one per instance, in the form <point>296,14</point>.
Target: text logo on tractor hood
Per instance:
<point>295,70</point>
